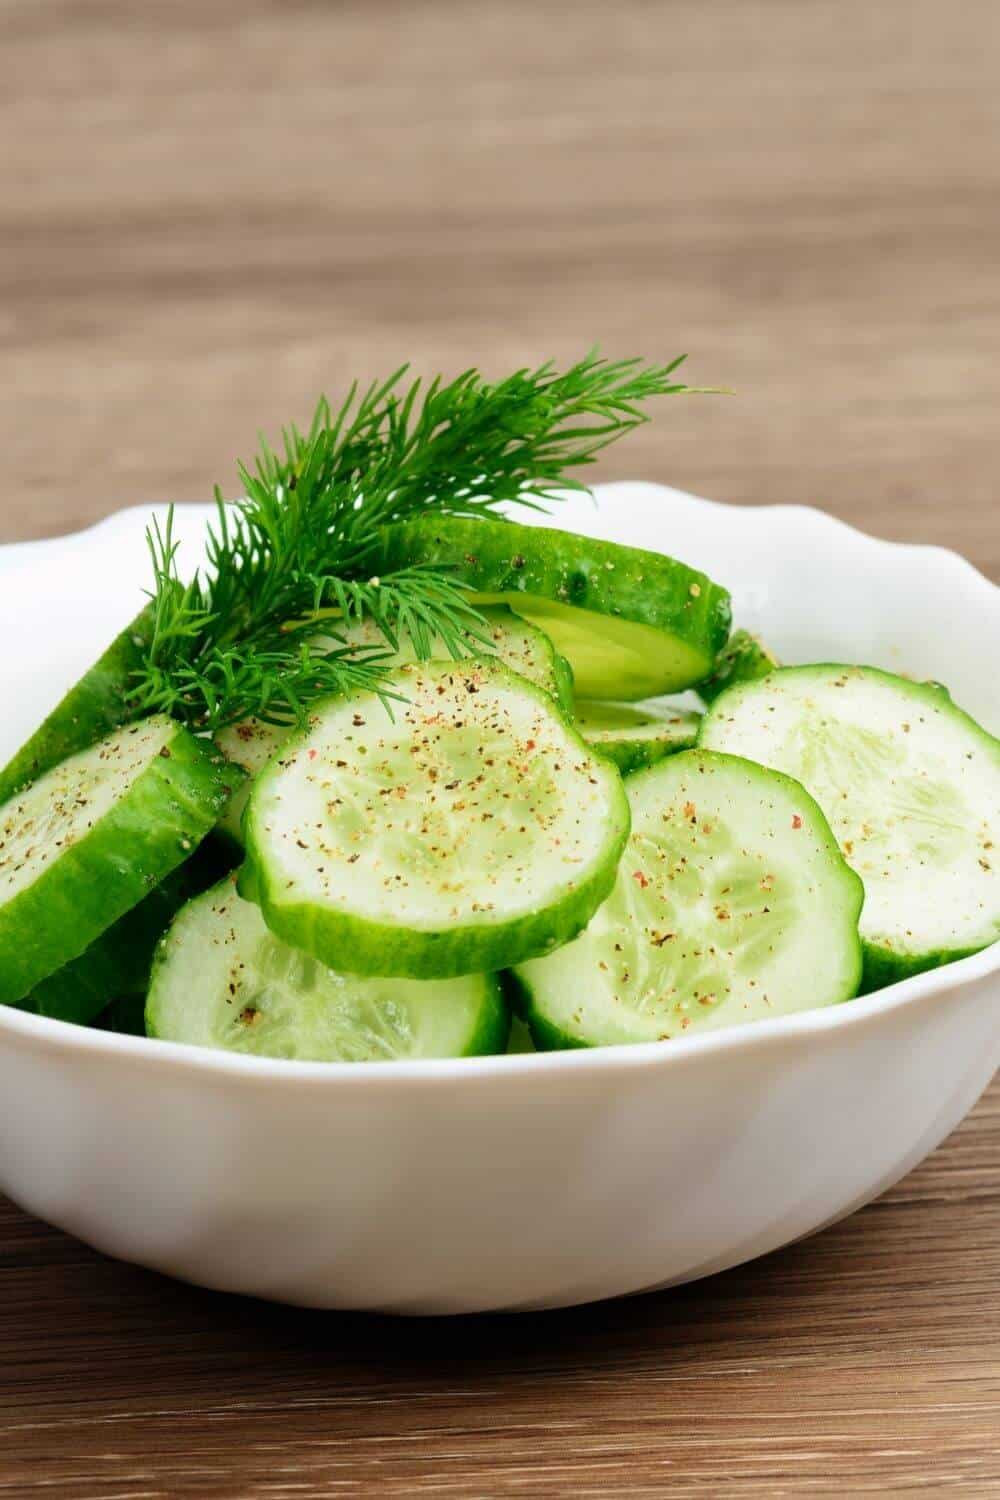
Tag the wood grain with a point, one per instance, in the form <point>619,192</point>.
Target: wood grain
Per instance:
<point>209,213</point>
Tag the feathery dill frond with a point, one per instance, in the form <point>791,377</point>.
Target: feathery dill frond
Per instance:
<point>238,640</point>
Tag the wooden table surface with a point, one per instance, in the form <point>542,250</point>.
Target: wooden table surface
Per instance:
<point>209,213</point>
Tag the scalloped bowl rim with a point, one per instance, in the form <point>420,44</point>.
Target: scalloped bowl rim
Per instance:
<point>776,1033</point>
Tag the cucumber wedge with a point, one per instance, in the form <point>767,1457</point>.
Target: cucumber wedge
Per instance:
<point>632,624</point>
<point>636,735</point>
<point>223,980</point>
<point>95,705</point>
<point>119,962</point>
<point>515,642</point>
<point>89,840</point>
<point>744,658</point>
<point>732,904</point>
<point>911,786</point>
<point>468,830</point>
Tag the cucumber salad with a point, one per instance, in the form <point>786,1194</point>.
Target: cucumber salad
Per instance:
<point>394,772</point>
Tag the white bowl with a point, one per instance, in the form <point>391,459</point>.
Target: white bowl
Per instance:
<point>511,1182</point>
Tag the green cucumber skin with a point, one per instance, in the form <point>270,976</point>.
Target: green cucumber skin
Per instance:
<point>171,806</point>
<point>565,694</point>
<point>506,558</point>
<point>492,1036</point>
<point>882,966</point>
<point>636,756</point>
<point>94,706</point>
<point>119,962</point>
<point>549,1038</point>
<point>743,659</point>
<point>514,992</point>
<point>355,945</point>
<point>545,1036</point>
<point>631,756</point>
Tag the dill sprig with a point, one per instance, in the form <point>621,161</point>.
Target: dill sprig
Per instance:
<point>239,639</point>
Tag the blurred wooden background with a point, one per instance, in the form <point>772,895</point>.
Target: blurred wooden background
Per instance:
<point>211,212</point>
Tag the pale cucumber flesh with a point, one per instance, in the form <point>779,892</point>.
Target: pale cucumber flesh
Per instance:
<point>911,786</point>
<point>516,643</point>
<point>732,904</point>
<point>223,980</point>
<point>471,825</point>
<point>611,657</point>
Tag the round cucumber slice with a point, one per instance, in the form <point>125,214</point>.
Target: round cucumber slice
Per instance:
<point>744,658</point>
<point>119,962</point>
<point>911,786</point>
<point>468,829</point>
<point>732,904</point>
<point>84,844</point>
<point>519,645</point>
<point>222,979</point>
<point>636,735</point>
<point>632,624</point>
<point>93,706</point>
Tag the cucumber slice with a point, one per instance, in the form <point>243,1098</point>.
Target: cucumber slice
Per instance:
<point>744,659</point>
<point>514,641</point>
<point>92,707</point>
<point>119,962</point>
<point>519,645</point>
<point>911,786</point>
<point>85,843</point>
<point>249,746</point>
<point>222,979</point>
<point>732,904</point>
<point>636,735</point>
<point>468,830</point>
<point>632,624</point>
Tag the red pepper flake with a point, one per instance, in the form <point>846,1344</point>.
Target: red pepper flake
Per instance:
<point>529,744</point>
<point>313,754</point>
<point>796,821</point>
<point>640,879</point>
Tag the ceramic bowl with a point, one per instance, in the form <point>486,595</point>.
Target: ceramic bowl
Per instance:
<point>526,1181</point>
